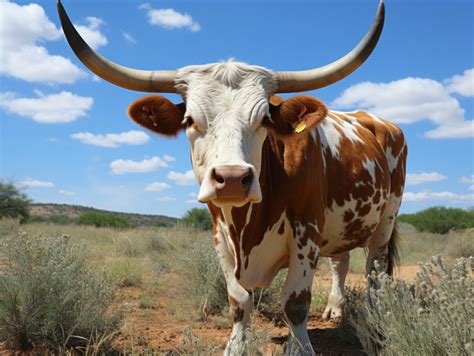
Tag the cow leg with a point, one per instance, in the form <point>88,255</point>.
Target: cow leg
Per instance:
<point>339,267</point>
<point>296,297</point>
<point>240,301</point>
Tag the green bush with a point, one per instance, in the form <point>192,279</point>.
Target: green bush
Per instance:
<point>103,220</point>
<point>440,219</point>
<point>50,297</point>
<point>54,219</point>
<point>13,202</point>
<point>432,317</point>
<point>198,218</point>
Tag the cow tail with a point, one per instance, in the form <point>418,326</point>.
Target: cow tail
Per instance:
<point>393,257</point>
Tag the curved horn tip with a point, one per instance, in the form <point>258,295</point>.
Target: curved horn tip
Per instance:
<point>321,77</point>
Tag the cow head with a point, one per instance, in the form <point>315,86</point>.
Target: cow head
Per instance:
<point>227,110</point>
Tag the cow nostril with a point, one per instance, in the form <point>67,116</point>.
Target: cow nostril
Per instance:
<point>246,180</point>
<point>218,178</point>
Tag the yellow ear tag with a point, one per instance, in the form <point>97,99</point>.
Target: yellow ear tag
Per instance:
<point>300,127</point>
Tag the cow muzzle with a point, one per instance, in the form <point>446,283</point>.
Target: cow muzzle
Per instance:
<point>230,185</point>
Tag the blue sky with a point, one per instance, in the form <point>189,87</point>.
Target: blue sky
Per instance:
<point>52,109</point>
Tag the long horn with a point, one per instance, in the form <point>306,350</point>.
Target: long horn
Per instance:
<point>289,82</point>
<point>159,81</point>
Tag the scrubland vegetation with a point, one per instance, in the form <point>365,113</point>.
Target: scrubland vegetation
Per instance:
<point>440,219</point>
<point>106,287</point>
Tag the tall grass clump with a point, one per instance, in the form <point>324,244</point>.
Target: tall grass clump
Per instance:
<point>50,297</point>
<point>202,278</point>
<point>432,317</point>
<point>267,300</point>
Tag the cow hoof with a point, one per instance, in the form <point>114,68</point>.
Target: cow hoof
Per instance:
<point>294,348</point>
<point>235,346</point>
<point>333,313</point>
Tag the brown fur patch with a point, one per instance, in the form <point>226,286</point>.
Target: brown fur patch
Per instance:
<point>235,310</point>
<point>348,215</point>
<point>297,306</point>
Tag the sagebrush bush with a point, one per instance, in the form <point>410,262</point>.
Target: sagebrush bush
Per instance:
<point>202,278</point>
<point>432,317</point>
<point>267,300</point>
<point>50,296</point>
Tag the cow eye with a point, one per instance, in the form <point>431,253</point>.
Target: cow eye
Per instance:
<point>188,121</point>
<point>266,120</point>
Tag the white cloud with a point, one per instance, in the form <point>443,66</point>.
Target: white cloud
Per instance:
<point>169,158</point>
<point>112,140</point>
<point>186,178</point>
<point>456,130</point>
<point>122,166</point>
<point>462,84</point>
<point>47,109</point>
<point>193,199</point>
<point>170,18</point>
<point>66,193</point>
<point>157,187</point>
<point>21,28</point>
<point>34,183</point>
<point>420,178</point>
<point>467,179</point>
<point>128,38</point>
<point>166,198</point>
<point>410,100</point>
<point>447,196</point>
<point>91,32</point>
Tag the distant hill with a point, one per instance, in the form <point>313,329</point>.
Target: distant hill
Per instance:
<point>68,213</point>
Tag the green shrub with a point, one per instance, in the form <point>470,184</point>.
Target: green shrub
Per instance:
<point>103,220</point>
<point>432,317</point>
<point>440,219</point>
<point>13,202</point>
<point>198,218</point>
<point>50,296</point>
<point>54,219</point>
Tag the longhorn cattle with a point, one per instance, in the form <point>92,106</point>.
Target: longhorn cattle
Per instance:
<point>286,180</point>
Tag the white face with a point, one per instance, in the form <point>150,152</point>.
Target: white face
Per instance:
<point>225,106</point>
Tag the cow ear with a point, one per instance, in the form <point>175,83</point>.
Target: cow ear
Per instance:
<point>295,116</point>
<point>158,114</point>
